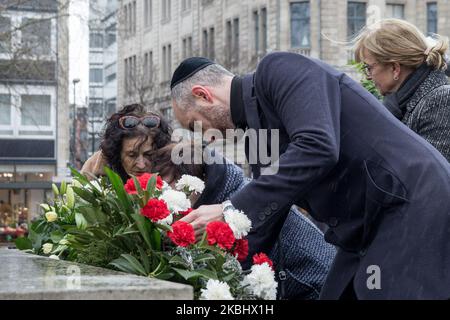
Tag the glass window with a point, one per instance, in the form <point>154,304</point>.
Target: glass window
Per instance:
<point>36,110</point>
<point>236,40</point>
<point>356,18</point>
<point>36,36</point>
<point>256,30</point>
<point>5,109</point>
<point>5,34</point>
<point>95,108</point>
<point>300,25</point>
<point>95,75</point>
<point>432,18</point>
<point>395,11</point>
<point>95,40</point>
<point>264,29</point>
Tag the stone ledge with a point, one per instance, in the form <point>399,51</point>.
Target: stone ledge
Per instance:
<point>32,277</point>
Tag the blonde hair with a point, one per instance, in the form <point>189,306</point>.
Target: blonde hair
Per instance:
<point>394,40</point>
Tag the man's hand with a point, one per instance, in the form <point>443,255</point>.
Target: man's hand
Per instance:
<point>200,217</point>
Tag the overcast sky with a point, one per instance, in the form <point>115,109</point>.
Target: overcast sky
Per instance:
<point>79,50</point>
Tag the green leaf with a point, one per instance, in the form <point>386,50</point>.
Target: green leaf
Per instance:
<point>187,275</point>
<point>56,236</point>
<point>85,195</point>
<point>144,259</point>
<point>204,257</point>
<point>81,178</point>
<point>144,228</point>
<point>165,276</point>
<point>135,264</point>
<point>150,190</point>
<point>118,187</point>
<point>163,227</point>
<point>123,265</point>
<point>155,239</point>
<point>80,221</point>
<point>177,260</point>
<point>23,243</point>
<point>137,185</point>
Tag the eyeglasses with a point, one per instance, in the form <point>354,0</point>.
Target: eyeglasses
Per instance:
<point>367,68</point>
<point>131,122</point>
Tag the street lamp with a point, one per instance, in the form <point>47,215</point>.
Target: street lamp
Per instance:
<point>74,113</point>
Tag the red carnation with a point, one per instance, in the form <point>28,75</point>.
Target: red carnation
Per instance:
<point>143,181</point>
<point>182,234</point>
<point>155,210</point>
<point>185,213</point>
<point>241,249</point>
<point>262,258</point>
<point>220,232</point>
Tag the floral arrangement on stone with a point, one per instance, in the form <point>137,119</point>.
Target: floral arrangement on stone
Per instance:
<point>136,228</point>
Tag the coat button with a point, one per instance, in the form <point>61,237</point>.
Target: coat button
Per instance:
<point>268,211</point>
<point>262,216</point>
<point>333,222</point>
<point>274,206</point>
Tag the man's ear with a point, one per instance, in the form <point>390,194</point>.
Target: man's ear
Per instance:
<point>202,93</point>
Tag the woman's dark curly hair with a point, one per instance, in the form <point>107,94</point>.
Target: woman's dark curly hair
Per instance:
<point>113,136</point>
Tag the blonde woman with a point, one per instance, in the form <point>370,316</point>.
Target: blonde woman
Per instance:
<point>409,70</point>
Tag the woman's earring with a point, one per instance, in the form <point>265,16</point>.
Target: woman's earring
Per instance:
<point>395,78</point>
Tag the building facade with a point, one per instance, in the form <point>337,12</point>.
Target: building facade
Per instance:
<point>34,110</point>
<point>102,68</point>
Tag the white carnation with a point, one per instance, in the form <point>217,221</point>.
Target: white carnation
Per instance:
<point>166,221</point>
<point>261,282</point>
<point>176,200</point>
<point>192,183</point>
<point>238,222</point>
<point>216,290</point>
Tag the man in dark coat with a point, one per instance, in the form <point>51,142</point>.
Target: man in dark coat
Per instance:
<point>383,190</point>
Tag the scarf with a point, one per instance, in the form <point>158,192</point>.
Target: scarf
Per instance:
<point>396,102</point>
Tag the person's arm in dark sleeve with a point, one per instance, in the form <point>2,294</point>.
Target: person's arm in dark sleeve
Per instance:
<point>307,100</point>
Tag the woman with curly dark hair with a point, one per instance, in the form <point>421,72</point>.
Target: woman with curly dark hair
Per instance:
<point>129,137</point>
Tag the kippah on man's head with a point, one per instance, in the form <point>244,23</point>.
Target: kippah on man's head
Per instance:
<point>188,68</point>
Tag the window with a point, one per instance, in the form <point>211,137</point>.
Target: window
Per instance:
<point>185,5</point>
<point>256,30</point>
<point>111,35</point>
<point>300,25</point>
<point>148,13</point>
<point>95,108</point>
<point>205,43</point>
<point>96,75</point>
<point>235,59</point>
<point>167,62</point>
<point>148,66</point>
<point>130,18</point>
<point>35,110</point>
<point>95,40</point>
<point>110,107</point>
<point>110,72</point>
<point>187,47</point>
<point>356,18</point>
<point>228,42</point>
<point>166,10</point>
<point>264,29</point>
<point>211,45</point>
<point>432,19</point>
<point>5,109</point>
<point>36,36</point>
<point>125,18</point>
<point>395,11</point>
<point>130,73</point>
<point>5,34</point>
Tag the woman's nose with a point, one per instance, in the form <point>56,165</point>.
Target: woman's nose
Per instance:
<point>141,162</point>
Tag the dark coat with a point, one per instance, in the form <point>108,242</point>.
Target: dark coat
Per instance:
<point>428,112</point>
<point>382,189</point>
<point>300,254</point>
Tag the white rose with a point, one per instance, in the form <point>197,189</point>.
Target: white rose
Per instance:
<point>216,290</point>
<point>176,200</point>
<point>47,248</point>
<point>193,184</point>
<point>238,222</point>
<point>261,282</point>
<point>51,216</point>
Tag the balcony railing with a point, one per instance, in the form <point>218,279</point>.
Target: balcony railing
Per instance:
<point>302,51</point>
